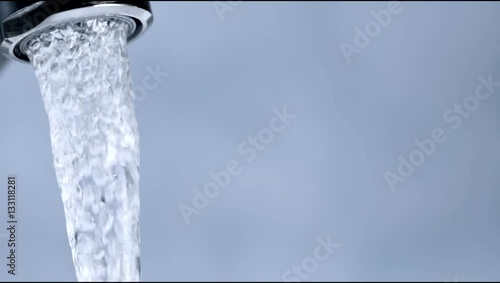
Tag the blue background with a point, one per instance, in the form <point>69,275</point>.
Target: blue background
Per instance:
<point>323,175</point>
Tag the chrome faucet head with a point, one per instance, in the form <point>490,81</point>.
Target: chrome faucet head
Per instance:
<point>22,20</point>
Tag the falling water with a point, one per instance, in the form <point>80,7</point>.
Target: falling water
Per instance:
<point>84,77</point>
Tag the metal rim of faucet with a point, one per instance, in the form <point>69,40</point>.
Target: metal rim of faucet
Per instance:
<point>22,25</point>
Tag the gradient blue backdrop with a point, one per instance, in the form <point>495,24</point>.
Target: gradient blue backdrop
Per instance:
<point>321,176</point>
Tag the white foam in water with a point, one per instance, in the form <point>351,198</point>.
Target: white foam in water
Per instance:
<point>84,77</point>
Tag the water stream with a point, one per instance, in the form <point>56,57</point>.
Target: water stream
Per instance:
<point>84,77</point>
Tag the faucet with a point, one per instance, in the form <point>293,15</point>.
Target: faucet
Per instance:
<point>24,19</point>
